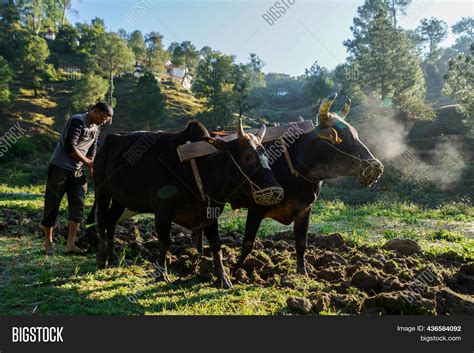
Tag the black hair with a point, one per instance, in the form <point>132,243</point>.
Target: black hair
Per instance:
<point>104,108</point>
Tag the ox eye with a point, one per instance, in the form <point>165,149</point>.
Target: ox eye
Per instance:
<point>249,158</point>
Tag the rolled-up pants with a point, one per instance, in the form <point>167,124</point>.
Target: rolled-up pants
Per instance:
<point>60,182</point>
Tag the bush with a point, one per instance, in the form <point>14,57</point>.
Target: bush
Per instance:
<point>5,79</point>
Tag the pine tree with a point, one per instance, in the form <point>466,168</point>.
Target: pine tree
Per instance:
<point>459,83</point>
<point>387,63</point>
<point>157,56</point>
<point>432,31</point>
<point>137,44</point>
<point>5,79</point>
<point>113,57</point>
<point>34,68</point>
<point>148,102</point>
<point>89,90</point>
<point>215,83</point>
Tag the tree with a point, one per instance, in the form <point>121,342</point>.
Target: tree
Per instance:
<point>34,68</point>
<point>5,79</point>
<point>464,30</point>
<point>122,33</point>
<point>396,7</point>
<point>113,57</point>
<point>214,82</point>
<point>433,31</point>
<point>205,51</point>
<point>387,63</point>
<point>247,78</point>
<point>459,83</point>
<point>90,36</point>
<point>318,83</point>
<point>148,102</point>
<point>12,35</point>
<point>137,44</point>
<point>66,6</point>
<point>156,55</point>
<point>464,27</point>
<point>41,15</point>
<point>65,49</point>
<point>186,56</point>
<point>89,90</point>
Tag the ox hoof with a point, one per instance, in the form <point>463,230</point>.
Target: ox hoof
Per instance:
<point>113,260</point>
<point>225,283</point>
<point>101,261</point>
<point>162,276</point>
<point>301,270</point>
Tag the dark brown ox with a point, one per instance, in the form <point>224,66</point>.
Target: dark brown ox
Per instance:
<point>141,171</point>
<point>333,149</point>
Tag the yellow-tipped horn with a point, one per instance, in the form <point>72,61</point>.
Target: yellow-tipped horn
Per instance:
<point>345,109</point>
<point>325,106</point>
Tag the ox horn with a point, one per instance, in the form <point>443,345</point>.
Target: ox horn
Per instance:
<point>240,129</point>
<point>261,132</point>
<point>325,106</point>
<point>345,109</point>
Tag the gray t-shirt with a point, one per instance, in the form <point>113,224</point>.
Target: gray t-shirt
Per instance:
<point>76,133</point>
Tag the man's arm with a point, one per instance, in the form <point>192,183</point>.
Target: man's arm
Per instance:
<point>72,137</point>
<point>93,149</point>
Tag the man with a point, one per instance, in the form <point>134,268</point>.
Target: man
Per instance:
<point>76,147</point>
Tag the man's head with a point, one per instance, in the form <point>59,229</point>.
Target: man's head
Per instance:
<point>101,113</point>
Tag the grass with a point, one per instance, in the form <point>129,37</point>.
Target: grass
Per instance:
<point>31,282</point>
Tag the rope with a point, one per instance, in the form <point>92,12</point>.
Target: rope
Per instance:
<point>261,196</point>
<point>370,162</point>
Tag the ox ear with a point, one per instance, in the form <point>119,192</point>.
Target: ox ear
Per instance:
<point>217,143</point>
<point>330,135</point>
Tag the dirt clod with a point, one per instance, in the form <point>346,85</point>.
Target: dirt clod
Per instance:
<point>368,280</point>
<point>299,304</point>
<point>403,246</point>
<point>398,303</point>
<point>330,274</point>
<point>329,242</point>
<point>452,303</point>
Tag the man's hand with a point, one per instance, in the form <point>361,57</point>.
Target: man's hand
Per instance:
<point>90,163</point>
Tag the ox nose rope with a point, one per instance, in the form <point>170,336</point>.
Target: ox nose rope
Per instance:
<point>371,163</point>
<point>266,196</point>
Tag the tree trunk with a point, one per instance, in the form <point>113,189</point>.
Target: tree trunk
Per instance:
<point>111,88</point>
<point>185,67</point>
<point>64,13</point>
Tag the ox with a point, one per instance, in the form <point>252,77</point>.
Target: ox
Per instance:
<point>141,171</point>
<point>333,149</point>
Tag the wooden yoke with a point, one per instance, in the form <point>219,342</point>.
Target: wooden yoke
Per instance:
<point>198,149</point>
<point>197,176</point>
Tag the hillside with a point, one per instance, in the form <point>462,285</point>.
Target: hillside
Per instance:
<point>43,117</point>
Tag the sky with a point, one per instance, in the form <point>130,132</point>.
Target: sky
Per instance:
<point>307,31</point>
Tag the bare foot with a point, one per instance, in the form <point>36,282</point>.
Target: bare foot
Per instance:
<point>49,249</point>
<point>74,250</point>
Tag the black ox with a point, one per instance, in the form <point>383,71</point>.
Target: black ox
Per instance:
<point>141,171</point>
<point>333,149</point>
